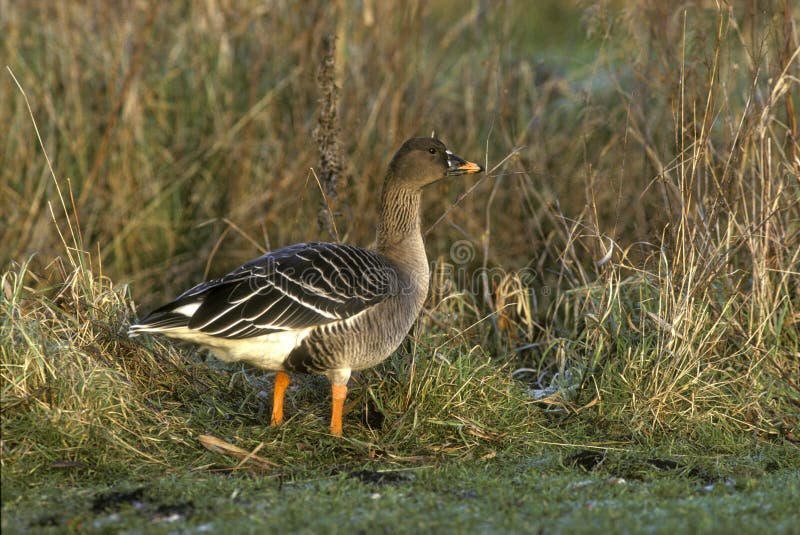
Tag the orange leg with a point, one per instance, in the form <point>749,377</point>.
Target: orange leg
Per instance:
<point>281,383</point>
<point>338,393</point>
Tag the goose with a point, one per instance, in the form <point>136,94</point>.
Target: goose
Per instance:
<point>322,308</point>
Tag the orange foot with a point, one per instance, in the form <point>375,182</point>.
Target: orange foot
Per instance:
<point>281,383</point>
<point>338,393</point>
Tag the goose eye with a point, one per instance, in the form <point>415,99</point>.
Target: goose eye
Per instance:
<point>432,150</point>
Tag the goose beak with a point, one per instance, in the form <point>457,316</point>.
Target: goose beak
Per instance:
<point>456,165</point>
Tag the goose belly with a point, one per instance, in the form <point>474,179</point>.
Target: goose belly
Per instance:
<point>267,351</point>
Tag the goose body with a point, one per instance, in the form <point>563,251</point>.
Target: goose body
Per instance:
<point>321,308</point>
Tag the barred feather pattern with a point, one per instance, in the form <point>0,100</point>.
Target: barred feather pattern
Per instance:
<point>353,343</point>
<point>296,287</point>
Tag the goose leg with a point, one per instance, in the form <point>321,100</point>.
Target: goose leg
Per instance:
<point>281,383</point>
<point>338,393</point>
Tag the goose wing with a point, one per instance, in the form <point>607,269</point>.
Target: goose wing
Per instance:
<point>296,287</point>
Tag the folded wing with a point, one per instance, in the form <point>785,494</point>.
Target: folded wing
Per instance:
<point>299,286</point>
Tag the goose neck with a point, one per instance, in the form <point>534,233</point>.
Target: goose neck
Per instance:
<point>399,229</point>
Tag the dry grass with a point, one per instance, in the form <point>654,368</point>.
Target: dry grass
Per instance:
<point>633,252</point>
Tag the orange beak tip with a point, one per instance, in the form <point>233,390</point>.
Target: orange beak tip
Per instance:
<point>470,168</point>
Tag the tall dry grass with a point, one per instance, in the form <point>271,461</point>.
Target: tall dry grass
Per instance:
<point>697,325</point>
<point>170,120</point>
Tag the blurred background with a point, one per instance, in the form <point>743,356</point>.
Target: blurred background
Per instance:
<point>182,134</point>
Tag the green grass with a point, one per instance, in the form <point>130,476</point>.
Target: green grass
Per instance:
<point>533,490</point>
<point>616,299</point>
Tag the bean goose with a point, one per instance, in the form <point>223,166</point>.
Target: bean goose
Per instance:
<point>321,308</point>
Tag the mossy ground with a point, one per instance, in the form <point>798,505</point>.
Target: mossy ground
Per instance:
<point>545,490</point>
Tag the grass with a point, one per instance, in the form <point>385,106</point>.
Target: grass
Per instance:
<point>507,494</point>
<point>611,340</point>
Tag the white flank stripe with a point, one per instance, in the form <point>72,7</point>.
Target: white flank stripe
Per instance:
<point>187,310</point>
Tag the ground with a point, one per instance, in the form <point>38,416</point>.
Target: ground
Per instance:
<point>535,491</point>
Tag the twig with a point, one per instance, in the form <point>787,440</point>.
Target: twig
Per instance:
<point>326,135</point>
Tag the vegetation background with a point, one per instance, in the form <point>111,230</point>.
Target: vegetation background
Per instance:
<point>619,291</point>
